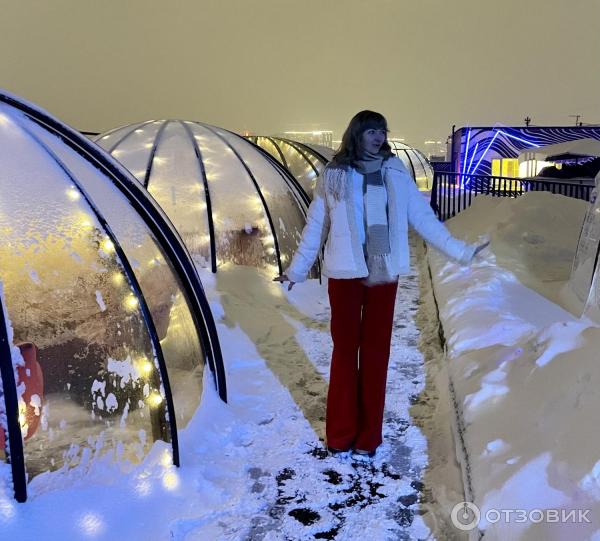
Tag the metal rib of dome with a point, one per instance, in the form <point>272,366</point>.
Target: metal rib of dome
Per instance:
<point>230,201</point>
<point>303,162</point>
<point>416,162</point>
<point>102,311</point>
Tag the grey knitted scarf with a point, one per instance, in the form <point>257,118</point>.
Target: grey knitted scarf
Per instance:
<point>377,238</point>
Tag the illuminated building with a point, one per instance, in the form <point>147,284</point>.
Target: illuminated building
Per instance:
<point>494,150</point>
<point>317,137</point>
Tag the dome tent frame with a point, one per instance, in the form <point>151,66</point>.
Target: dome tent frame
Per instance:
<point>412,153</point>
<point>297,146</point>
<point>144,173</point>
<point>174,249</point>
<point>303,150</point>
<point>15,439</point>
<point>306,198</point>
<point>285,173</point>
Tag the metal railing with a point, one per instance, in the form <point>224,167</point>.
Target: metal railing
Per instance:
<point>453,192</point>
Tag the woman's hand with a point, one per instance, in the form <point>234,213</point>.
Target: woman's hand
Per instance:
<point>284,278</point>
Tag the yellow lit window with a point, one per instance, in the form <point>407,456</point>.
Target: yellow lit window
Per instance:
<point>496,167</point>
<point>510,167</point>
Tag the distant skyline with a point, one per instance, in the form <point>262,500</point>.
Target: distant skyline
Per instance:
<point>268,66</point>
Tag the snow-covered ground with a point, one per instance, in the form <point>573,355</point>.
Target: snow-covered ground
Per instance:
<point>255,468</point>
<point>524,379</point>
<point>525,372</point>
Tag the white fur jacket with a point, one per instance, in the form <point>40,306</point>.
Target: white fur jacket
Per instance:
<point>334,220</point>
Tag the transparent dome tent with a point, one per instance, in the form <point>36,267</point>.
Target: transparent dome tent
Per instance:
<point>104,325</point>
<point>231,202</point>
<point>416,162</point>
<point>305,163</point>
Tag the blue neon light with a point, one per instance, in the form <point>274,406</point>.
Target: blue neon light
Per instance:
<point>485,151</point>
<point>466,151</point>
<point>468,170</point>
<point>518,139</point>
<point>472,156</point>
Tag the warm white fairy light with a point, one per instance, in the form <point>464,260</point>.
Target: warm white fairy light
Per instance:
<point>256,203</point>
<point>131,302</point>
<point>107,246</point>
<point>144,366</point>
<point>23,418</point>
<point>84,221</point>
<point>166,458</point>
<point>155,399</point>
<point>73,194</point>
<point>117,278</point>
<point>170,480</point>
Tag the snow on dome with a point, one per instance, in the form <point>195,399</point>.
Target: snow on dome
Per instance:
<point>230,201</point>
<point>304,162</point>
<point>102,301</point>
<point>416,163</point>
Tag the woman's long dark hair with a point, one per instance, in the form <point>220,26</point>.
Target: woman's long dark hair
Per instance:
<point>350,150</point>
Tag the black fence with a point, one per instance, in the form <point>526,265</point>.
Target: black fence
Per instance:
<point>453,192</point>
<point>442,167</point>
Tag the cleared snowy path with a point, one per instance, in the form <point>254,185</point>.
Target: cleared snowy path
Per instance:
<point>305,493</point>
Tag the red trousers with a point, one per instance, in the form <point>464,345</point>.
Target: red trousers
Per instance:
<point>361,329</point>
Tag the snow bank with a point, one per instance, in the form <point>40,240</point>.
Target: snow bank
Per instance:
<point>524,370</point>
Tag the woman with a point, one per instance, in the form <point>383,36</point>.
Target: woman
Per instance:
<point>363,203</point>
